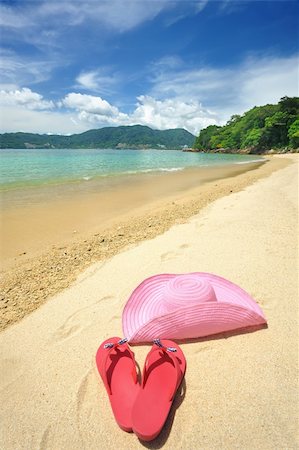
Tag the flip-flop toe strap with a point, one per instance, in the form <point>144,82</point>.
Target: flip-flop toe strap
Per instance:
<point>171,353</point>
<point>109,346</point>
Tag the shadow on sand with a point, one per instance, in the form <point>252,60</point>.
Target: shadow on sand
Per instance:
<point>180,395</point>
<point>163,436</point>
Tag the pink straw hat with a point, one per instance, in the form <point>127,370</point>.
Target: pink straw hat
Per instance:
<point>186,306</point>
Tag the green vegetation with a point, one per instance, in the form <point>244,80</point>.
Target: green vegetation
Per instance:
<point>258,130</point>
<point>136,136</point>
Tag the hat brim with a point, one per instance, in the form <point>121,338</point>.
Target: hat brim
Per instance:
<point>145,318</point>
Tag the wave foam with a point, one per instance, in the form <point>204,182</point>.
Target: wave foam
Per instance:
<point>251,161</point>
<point>158,169</point>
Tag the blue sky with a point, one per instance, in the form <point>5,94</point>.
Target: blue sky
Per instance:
<point>69,66</point>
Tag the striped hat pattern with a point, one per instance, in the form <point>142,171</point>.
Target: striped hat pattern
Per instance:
<point>185,306</point>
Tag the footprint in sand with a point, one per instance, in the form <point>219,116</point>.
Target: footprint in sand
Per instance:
<point>169,255</point>
<point>198,225</point>
<point>82,392</point>
<point>183,246</point>
<point>114,318</point>
<point>88,406</point>
<point>10,369</point>
<point>174,254</point>
<point>79,320</point>
<point>202,348</point>
<point>45,439</point>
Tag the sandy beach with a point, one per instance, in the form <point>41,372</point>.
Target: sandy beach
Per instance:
<point>240,391</point>
<point>41,254</point>
<point>35,219</point>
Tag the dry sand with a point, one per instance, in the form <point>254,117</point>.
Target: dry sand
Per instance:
<point>240,392</point>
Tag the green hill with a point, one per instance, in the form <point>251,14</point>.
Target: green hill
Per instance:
<point>262,128</point>
<point>136,136</point>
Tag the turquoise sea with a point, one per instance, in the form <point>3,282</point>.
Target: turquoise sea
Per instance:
<point>38,167</point>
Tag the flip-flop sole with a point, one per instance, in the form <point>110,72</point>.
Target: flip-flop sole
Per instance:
<point>154,400</point>
<point>118,370</point>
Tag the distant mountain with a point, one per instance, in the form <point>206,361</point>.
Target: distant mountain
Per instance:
<point>136,137</point>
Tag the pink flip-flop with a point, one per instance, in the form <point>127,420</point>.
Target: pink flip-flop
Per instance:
<point>163,373</point>
<point>117,367</point>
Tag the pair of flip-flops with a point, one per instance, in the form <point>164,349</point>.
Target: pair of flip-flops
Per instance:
<point>142,408</point>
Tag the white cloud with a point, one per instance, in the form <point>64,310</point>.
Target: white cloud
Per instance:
<point>117,14</point>
<point>167,62</point>
<point>101,80</point>
<point>24,98</point>
<point>93,111</point>
<point>191,99</point>
<point>228,91</point>
<point>266,80</point>
<point>200,5</point>
<point>89,104</point>
<point>185,8</point>
<point>79,112</point>
<point>49,26</point>
<point>124,15</point>
<point>13,118</point>
<point>24,110</point>
<point>20,71</point>
<point>9,18</point>
<point>101,120</point>
<point>88,80</point>
<point>171,113</point>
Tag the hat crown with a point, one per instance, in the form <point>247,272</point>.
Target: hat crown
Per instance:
<point>187,290</point>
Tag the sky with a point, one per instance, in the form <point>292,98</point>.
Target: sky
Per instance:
<point>70,66</point>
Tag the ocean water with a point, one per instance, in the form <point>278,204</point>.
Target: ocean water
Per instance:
<point>39,167</point>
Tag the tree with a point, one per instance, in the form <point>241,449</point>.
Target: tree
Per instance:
<point>289,105</point>
<point>293,134</point>
<point>252,138</point>
<point>202,142</point>
<point>234,118</point>
<point>262,127</point>
<point>276,129</point>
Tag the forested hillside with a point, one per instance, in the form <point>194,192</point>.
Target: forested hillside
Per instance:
<point>136,136</point>
<point>258,130</point>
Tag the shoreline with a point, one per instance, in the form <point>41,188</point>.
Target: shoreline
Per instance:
<point>34,220</point>
<point>94,183</point>
<point>31,282</point>
<point>50,178</point>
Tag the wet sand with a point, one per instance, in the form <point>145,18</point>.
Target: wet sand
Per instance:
<point>53,259</point>
<point>33,220</point>
<point>240,391</point>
